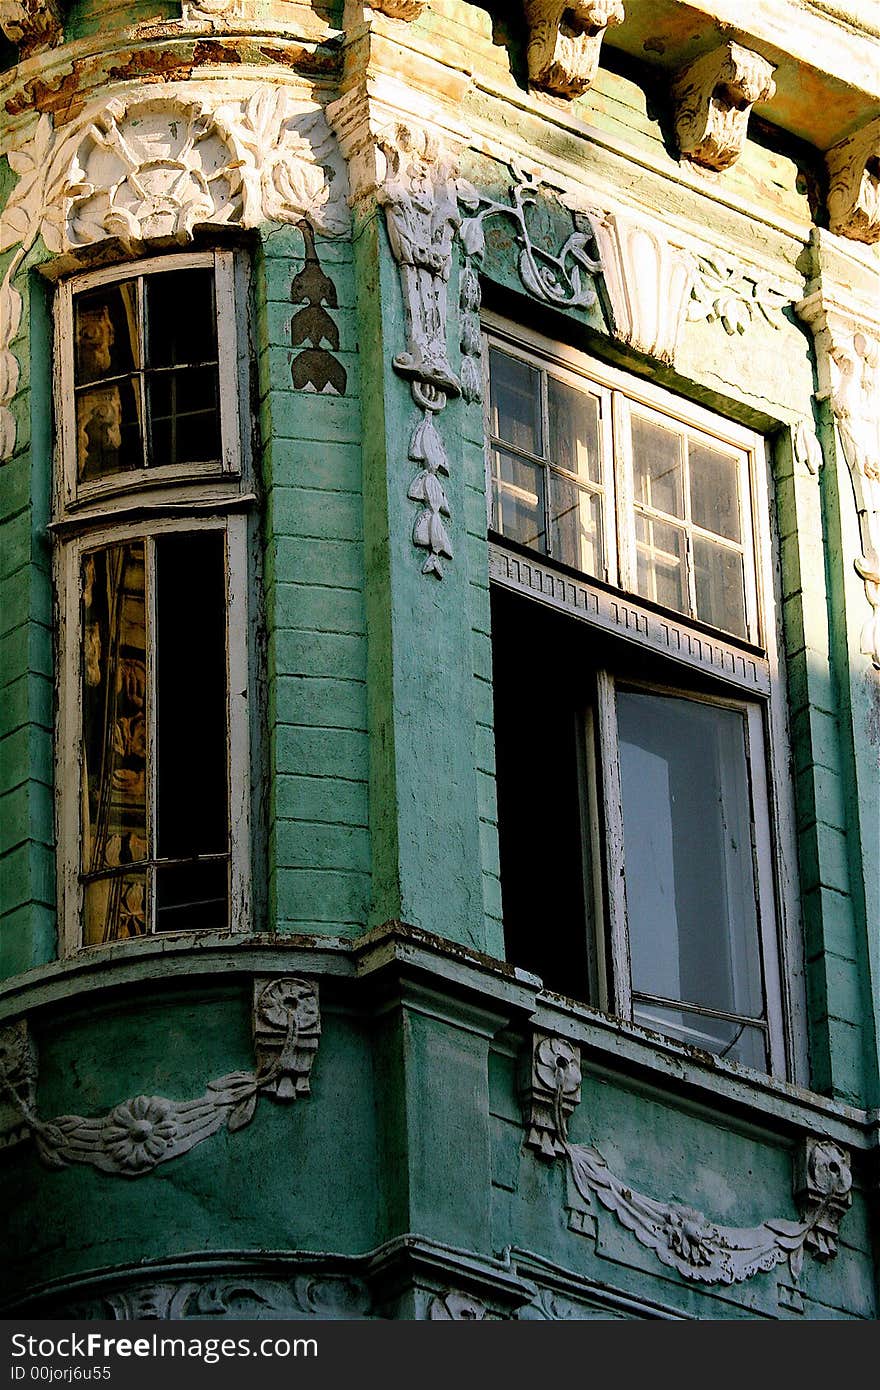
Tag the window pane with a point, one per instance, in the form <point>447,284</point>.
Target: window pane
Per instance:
<point>660,558</point>
<point>108,430</point>
<point>720,584</point>
<point>575,525</point>
<point>574,429</point>
<point>738,1042</point>
<point>191,695</point>
<point>515,399</point>
<point>105,332</point>
<point>690,887</point>
<point>181,321</point>
<point>657,470</point>
<point>192,897</point>
<point>114,745</point>
<point>714,482</point>
<point>184,416</point>
<point>518,500</point>
<point>115,908</point>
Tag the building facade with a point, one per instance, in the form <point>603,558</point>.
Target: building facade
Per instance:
<point>440,659</point>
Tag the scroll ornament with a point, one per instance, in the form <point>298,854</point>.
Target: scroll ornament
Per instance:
<point>138,1134</point>
<point>152,171</point>
<point>681,1237</point>
<point>854,185</point>
<point>722,292</point>
<point>565,40</point>
<point>713,99</point>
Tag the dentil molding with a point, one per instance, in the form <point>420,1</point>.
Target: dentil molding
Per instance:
<point>144,1131</point>
<point>713,98</point>
<point>565,40</point>
<point>151,170</point>
<point>681,1237</point>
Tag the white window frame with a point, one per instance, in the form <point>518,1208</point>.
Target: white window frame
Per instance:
<point>747,673</point>
<point>70,493</point>
<point>142,505</point>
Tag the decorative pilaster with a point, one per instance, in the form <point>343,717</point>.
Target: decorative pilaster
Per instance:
<point>565,40</point>
<point>713,99</point>
<point>32,24</point>
<point>848,367</point>
<point>854,185</point>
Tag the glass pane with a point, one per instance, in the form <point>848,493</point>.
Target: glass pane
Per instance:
<point>738,1042</point>
<point>181,321</point>
<point>714,482</point>
<point>192,897</point>
<point>191,695</point>
<point>115,908</point>
<point>690,887</point>
<point>115,711</point>
<point>657,470</point>
<point>515,398</point>
<point>574,429</point>
<point>105,332</point>
<point>518,500</point>
<point>575,525</point>
<point>718,573</point>
<point>108,430</point>
<point>660,558</point>
<point>184,416</point>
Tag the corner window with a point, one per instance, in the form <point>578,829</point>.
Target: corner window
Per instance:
<point>151,567</point>
<point>643,817</point>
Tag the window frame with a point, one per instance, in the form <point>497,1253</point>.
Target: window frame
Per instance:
<point>70,494</point>
<point>739,672</point>
<point>145,504</point>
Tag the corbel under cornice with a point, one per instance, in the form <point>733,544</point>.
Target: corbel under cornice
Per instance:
<point>713,99</point>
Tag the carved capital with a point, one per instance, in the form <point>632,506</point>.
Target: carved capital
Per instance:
<point>564,42</point>
<point>32,24</point>
<point>647,280</point>
<point>550,1090</point>
<point>854,185</point>
<point>713,98</point>
<point>823,1189</point>
<point>287,1028</point>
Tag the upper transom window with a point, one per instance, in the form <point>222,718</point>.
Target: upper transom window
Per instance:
<point>598,477</point>
<point>147,358</point>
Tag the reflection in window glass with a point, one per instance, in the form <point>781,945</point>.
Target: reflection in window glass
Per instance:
<point>574,430</point>
<point>146,374</point>
<point>714,485</point>
<point>657,467</point>
<point>660,561</point>
<point>115,724</point>
<point>518,499</point>
<point>575,524</point>
<point>720,585</point>
<point>690,886</point>
<point>515,402</point>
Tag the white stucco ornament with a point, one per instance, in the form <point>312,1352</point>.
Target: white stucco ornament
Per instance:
<point>713,99</point>
<point>565,40</point>
<point>854,185</point>
<point>150,171</point>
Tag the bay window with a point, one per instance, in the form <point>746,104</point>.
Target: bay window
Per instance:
<point>642,799</point>
<point>151,570</point>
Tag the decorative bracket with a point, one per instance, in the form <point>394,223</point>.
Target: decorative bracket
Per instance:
<point>399,9</point>
<point>713,99</point>
<point>823,1189</point>
<point>854,185</point>
<point>565,40</point>
<point>550,1091</point>
<point>681,1237</point>
<point>140,1133</point>
<point>647,280</point>
<point>32,24</point>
